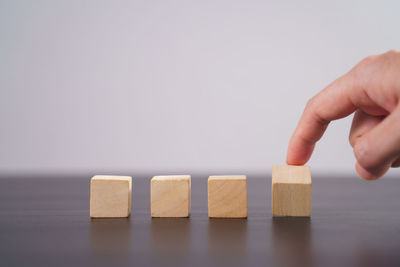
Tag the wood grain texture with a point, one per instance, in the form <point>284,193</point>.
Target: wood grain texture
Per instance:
<point>227,196</point>
<point>110,196</point>
<point>291,190</point>
<point>170,196</point>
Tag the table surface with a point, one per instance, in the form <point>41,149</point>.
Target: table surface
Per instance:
<point>45,222</point>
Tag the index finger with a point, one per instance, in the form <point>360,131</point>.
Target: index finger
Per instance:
<point>334,102</point>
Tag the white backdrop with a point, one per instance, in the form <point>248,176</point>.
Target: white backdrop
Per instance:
<point>168,86</point>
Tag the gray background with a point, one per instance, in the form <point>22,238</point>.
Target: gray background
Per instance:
<point>176,86</point>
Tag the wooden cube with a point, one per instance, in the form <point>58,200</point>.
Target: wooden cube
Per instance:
<point>170,196</point>
<point>291,190</point>
<point>227,196</point>
<point>110,196</point>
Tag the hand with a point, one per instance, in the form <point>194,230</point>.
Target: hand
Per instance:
<point>371,90</point>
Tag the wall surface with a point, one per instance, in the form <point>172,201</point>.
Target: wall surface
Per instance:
<point>176,85</point>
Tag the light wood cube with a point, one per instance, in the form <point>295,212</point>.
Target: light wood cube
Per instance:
<point>291,190</point>
<point>227,196</point>
<point>110,196</point>
<point>170,196</point>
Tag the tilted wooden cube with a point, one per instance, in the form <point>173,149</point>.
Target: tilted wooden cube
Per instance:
<point>110,196</point>
<point>291,190</point>
<point>227,196</point>
<point>170,196</point>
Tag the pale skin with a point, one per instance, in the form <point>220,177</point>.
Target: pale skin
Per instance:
<point>371,90</point>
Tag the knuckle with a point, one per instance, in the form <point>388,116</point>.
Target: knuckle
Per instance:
<point>352,140</point>
<point>310,103</point>
<point>393,52</point>
<point>368,69</point>
<point>313,107</point>
<point>391,58</point>
<point>366,65</point>
<point>368,60</point>
<point>363,67</point>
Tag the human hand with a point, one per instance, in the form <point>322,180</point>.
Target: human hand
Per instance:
<point>371,90</point>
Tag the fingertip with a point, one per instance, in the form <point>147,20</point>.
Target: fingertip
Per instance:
<point>292,158</point>
<point>363,174</point>
<point>294,161</point>
<point>298,154</point>
<point>369,176</point>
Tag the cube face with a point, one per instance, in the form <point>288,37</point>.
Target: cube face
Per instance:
<point>110,196</point>
<point>227,196</point>
<point>170,196</point>
<point>291,191</point>
<point>291,200</point>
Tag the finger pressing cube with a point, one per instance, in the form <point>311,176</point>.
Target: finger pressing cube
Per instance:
<point>170,196</point>
<point>227,196</point>
<point>110,196</point>
<point>291,190</point>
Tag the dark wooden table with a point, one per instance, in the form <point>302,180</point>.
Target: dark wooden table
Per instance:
<point>45,222</point>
